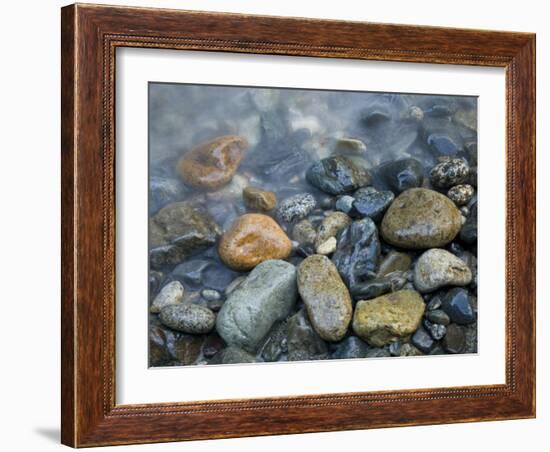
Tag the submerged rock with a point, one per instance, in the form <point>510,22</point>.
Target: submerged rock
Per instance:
<point>357,252</point>
<point>171,293</point>
<point>258,199</point>
<point>253,238</point>
<point>326,297</point>
<point>437,268</point>
<point>337,175</point>
<point>213,164</point>
<point>177,231</point>
<point>188,318</point>
<point>420,218</point>
<point>455,339</point>
<point>400,175</point>
<point>266,296</point>
<point>304,232</point>
<point>389,317</point>
<point>304,344</point>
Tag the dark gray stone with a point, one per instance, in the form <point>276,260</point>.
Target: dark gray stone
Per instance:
<point>351,347</point>
<point>422,340</point>
<point>303,343</point>
<point>438,316</point>
<point>456,303</point>
<point>337,175</point>
<point>357,253</point>
<point>232,355</point>
<point>455,340</point>
<point>344,203</point>
<point>468,232</point>
<point>400,175</point>
<point>372,204</point>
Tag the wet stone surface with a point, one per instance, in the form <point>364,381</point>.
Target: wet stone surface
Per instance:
<point>297,225</point>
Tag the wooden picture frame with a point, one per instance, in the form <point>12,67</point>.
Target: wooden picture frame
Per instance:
<point>90,36</point>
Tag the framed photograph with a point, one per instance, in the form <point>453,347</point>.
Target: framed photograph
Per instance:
<point>281,225</point>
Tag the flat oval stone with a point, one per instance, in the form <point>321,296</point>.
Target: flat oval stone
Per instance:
<point>213,164</point>
<point>337,175</point>
<point>171,293</point>
<point>385,319</point>
<point>266,296</point>
<point>420,218</point>
<point>188,318</point>
<point>437,268</point>
<point>326,297</point>
<point>252,239</point>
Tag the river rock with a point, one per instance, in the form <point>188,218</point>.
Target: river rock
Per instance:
<point>449,173</point>
<point>255,198</point>
<point>357,252</point>
<point>163,191</point>
<point>327,247</point>
<point>422,340</point>
<point>420,218</point>
<point>331,226</point>
<point>326,297</point>
<point>461,194</point>
<point>455,340</point>
<point>350,347</point>
<point>344,203</point>
<point>232,355</point>
<point>177,231</point>
<point>378,353</point>
<point>380,285</point>
<point>468,233</point>
<point>253,238</point>
<point>188,318</point>
<point>213,164</point>
<point>337,175</point>
<point>304,232</point>
<point>457,305</point>
<point>394,261</point>
<point>438,316</point>
<point>168,347</point>
<point>296,207</point>
<point>276,344</point>
<point>409,350</point>
<point>400,175</point>
<point>389,317</point>
<point>436,268</point>
<point>171,293</point>
<point>266,296</point>
<point>304,343</point>
<point>371,203</point>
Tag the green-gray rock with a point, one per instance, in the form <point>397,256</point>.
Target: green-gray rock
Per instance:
<point>387,318</point>
<point>188,318</point>
<point>420,218</point>
<point>436,268</point>
<point>331,226</point>
<point>266,296</point>
<point>232,355</point>
<point>326,297</point>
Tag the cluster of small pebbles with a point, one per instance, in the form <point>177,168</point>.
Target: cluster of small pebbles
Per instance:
<point>283,246</point>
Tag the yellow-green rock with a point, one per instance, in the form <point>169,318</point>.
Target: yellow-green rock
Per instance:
<point>387,318</point>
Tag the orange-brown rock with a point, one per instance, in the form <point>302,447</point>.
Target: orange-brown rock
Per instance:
<point>252,239</point>
<point>213,164</point>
